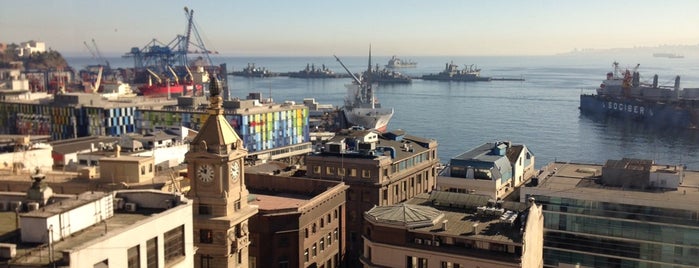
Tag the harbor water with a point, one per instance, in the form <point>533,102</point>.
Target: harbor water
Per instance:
<point>541,111</point>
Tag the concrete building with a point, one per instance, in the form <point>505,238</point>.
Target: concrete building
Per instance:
<point>455,230</point>
<point>215,165</point>
<point>380,169</point>
<point>127,169</point>
<point>27,48</point>
<point>24,153</point>
<point>129,228</point>
<point>65,152</point>
<point>626,213</point>
<point>492,169</point>
<point>301,221</point>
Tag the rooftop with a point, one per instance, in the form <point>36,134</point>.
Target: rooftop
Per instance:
<point>33,253</point>
<point>421,215</point>
<point>575,180</point>
<point>279,202</point>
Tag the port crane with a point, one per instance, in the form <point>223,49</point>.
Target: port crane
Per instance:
<point>157,55</point>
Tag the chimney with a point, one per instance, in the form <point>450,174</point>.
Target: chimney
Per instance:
<point>117,151</point>
<point>444,225</point>
<point>475,228</point>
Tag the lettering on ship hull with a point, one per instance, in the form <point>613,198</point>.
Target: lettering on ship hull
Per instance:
<point>628,108</point>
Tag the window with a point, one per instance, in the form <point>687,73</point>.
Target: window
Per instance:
<point>204,210</point>
<point>305,255</point>
<point>206,236</point>
<point>322,243</point>
<point>329,219</point>
<point>329,170</point>
<point>322,222</point>
<point>174,244</point>
<point>329,239</point>
<point>152,253</point>
<point>133,257</point>
<point>150,168</point>
<point>143,170</point>
<point>335,234</point>
<point>353,172</point>
<point>341,171</point>
<point>236,205</point>
<point>446,264</point>
<point>206,261</point>
<point>366,173</point>
<point>335,213</point>
<point>306,232</point>
<point>314,250</point>
<point>316,169</point>
<point>415,262</point>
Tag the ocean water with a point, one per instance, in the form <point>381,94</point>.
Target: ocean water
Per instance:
<point>541,112</point>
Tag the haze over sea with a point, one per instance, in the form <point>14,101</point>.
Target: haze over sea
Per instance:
<point>541,112</point>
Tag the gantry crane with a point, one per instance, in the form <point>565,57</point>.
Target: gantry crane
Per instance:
<point>158,56</point>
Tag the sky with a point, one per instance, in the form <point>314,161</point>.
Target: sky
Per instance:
<point>348,28</point>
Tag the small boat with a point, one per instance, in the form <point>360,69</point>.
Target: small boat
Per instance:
<point>395,62</point>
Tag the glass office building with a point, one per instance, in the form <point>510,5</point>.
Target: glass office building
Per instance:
<point>592,223</point>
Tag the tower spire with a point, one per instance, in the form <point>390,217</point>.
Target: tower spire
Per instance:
<point>215,97</point>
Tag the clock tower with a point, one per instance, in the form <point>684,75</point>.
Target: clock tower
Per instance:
<point>221,211</point>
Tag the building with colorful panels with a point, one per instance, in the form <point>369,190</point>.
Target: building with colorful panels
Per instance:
<point>263,126</point>
<point>72,115</point>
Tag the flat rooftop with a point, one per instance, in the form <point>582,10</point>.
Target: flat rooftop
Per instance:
<point>460,223</point>
<point>31,253</point>
<point>280,202</point>
<point>577,181</point>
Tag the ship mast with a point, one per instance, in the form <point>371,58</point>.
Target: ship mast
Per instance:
<point>369,93</point>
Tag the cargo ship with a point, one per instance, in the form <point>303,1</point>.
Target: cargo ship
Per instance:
<point>452,73</point>
<point>361,106</point>
<point>623,95</point>
<point>395,62</point>
<point>193,84</point>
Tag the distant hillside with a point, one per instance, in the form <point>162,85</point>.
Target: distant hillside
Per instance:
<point>45,60</point>
<point>686,51</point>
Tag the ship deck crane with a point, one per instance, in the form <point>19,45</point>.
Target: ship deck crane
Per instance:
<point>177,80</point>
<point>90,49</point>
<point>154,75</point>
<point>99,54</point>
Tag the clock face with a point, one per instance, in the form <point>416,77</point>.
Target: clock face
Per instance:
<point>235,171</point>
<point>205,173</point>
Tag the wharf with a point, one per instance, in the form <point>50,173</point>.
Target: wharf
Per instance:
<point>484,80</point>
